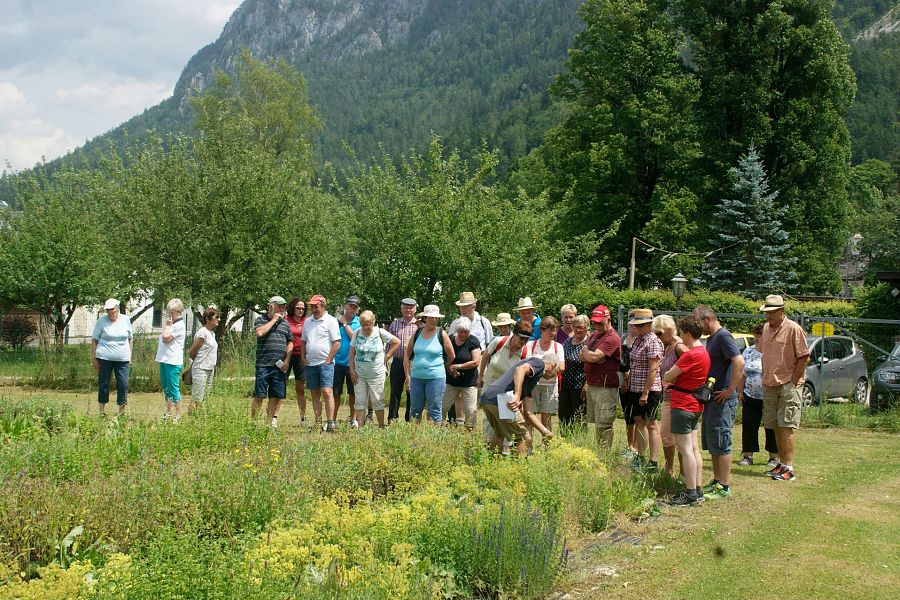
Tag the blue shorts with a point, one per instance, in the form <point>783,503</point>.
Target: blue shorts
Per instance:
<point>270,381</point>
<point>319,376</point>
<point>718,420</point>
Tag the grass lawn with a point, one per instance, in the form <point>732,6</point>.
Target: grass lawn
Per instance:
<point>832,533</point>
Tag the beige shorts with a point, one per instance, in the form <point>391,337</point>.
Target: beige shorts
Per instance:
<point>781,406</point>
<point>369,390</point>
<point>469,398</point>
<point>546,399</point>
<point>601,405</point>
<point>511,430</point>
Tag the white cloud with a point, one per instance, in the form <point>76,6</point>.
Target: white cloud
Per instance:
<point>10,97</point>
<point>24,142</point>
<point>70,71</point>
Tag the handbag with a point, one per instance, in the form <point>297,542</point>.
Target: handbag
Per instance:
<point>186,377</point>
<point>702,394</point>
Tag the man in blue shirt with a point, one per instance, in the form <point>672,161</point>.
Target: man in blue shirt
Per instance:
<point>349,322</point>
<point>727,365</point>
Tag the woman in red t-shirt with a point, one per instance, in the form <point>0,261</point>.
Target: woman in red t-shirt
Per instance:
<point>689,372</point>
<point>296,317</point>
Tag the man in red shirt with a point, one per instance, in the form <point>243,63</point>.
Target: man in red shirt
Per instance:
<point>601,355</point>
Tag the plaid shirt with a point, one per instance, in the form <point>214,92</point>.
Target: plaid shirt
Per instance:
<point>643,350</point>
<point>403,331</point>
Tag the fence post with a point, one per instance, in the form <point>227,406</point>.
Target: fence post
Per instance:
<point>621,320</point>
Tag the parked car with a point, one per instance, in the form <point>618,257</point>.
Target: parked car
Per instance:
<point>837,369</point>
<point>743,340</point>
<point>886,382</point>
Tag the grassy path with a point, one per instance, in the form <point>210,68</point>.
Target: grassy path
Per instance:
<point>832,533</point>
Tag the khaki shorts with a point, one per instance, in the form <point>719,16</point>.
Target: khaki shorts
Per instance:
<point>514,430</point>
<point>546,399</point>
<point>369,390</point>
<point>601,405</point>
<point>469,398</point>
<point>781,406</point>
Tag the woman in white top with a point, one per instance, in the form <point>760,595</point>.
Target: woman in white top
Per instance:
<point>545,400</point>
<point>368,366</point>
<point>170,356</point>
<point>204,353</point>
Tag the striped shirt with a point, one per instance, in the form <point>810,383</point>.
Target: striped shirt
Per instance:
<point>402,331</point>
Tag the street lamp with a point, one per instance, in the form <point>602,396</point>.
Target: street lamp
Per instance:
<point>679,285</point>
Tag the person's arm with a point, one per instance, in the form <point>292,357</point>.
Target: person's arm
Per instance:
<point>195,347</point>
<point>94,362</point>
<point>266,327</point>
<point>335,346</point>
<point>393,346</point>
<point>482,366</point>
<point>448,349</point>
<point>407,360</point>
<point>672,374</point>
<point>737,374</point>
<point>288,350</point>
<point>522,371</point>
<point>352,359</point>
<point>167,336</point>
<point>799,370</point>
<point>651,377</point>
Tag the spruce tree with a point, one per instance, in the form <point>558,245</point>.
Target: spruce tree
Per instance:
<point>754,260</point>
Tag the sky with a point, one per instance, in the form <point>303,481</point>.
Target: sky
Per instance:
<point>73,69</point>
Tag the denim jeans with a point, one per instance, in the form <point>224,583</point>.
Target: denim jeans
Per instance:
<point>107,368</point>
<point>426,394</point>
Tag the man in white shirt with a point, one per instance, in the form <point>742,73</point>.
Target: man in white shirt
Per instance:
<point>481,326</point>
<point>321,339</point>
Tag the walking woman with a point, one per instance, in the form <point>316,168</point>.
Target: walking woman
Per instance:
<point>111,345</point>
<point>170,356</point>
<point>428,354</point>
<point>204,353</point>
<point>572,390</point>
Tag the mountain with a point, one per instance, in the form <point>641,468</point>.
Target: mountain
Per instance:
<point>385,74</point>
<point>388,73</point>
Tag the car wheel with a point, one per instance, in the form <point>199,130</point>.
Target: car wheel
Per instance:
<point>861,391</point>
<point>807,395</point>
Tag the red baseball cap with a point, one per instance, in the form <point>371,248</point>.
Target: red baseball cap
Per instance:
<point>318,299</point>
<point>600,314</point>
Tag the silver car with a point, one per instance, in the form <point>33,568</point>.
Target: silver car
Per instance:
<point>836,369</point>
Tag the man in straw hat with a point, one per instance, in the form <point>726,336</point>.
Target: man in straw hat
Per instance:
<point>644,386</point>
<point>785,355</point>
<point>504,323</point>
<point>526,312</point>
<point>481,327</point>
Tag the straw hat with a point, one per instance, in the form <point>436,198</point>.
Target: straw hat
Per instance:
<point>641,316</point>
<point>466,298</point>
<point>525,304</point>
<point>431,310</point>
<point>773,302</point>
<point>503,319</point>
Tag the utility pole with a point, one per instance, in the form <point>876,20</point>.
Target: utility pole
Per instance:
<point>631,276</point>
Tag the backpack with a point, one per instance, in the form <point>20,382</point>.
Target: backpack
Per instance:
<point>502,343</point>
<point>412,346</point>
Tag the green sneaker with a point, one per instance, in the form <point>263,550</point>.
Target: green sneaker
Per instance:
<point>717,492</point>
<point>710,486</point>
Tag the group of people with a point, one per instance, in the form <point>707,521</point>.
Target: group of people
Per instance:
<point>529,370</point>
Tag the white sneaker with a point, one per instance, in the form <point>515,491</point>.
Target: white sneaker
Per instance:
<point>354,424</point>
<point>176,419</point>
<point>773,462</point>
<point>274,422</point>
